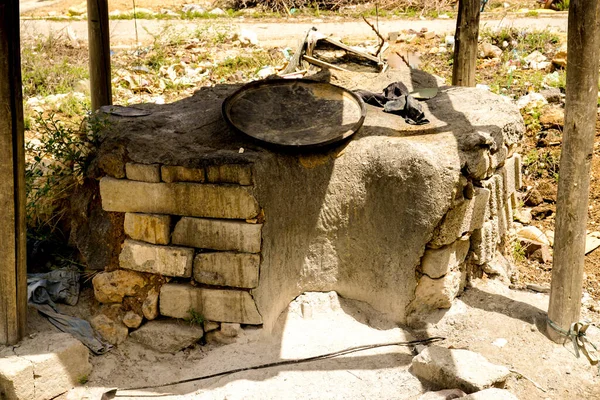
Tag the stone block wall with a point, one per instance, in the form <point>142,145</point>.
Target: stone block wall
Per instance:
<point>472,237</point>
<point>196,228</point>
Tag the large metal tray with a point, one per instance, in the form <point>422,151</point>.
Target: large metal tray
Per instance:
<point>294,112</point>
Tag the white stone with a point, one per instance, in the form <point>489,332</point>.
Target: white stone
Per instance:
<point>151,228</point>
<point>163,260</point>
<point>193,199</point>
<point>438,262</point>
<point>49,375</point>
<point>532,233</point>
<point>16,379</point>
<point>227,269</point>
<point>218,235</point>
<point>457,368</point>
<point>143,172</point>
<point>437,293</point>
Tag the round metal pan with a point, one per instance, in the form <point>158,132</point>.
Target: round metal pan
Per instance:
<point>294,112</point>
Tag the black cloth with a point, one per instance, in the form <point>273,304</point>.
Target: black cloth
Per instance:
<point>396,100</point>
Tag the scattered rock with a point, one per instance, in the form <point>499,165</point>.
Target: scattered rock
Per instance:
<point>560,58</point>
<point>193,8</point>
<point>247,37</point>
<point>550,236</point>
<point>536,251</point>
<point>533,198</point>
<point>111,287</point>
<point>534,234</point>
<point>536,60</point>
<point>132,320</point>
<point>552,116</point>
<point>455,368</point>
<point>217,11</point>
<point>500,342</point>
<point>43,367</point>
<point>542,211</point>
<point>491,394</point>
<point>531,99</point>
<point>168,336</point>
<point>592,242</point>
<point>489,50</point>
<point>552,95</point>
<point>523,215</point>
<point>538,288</point>
<point>150,305</point>
<point>429,35</point>
<point>114,332</point>
<point>446,394</point>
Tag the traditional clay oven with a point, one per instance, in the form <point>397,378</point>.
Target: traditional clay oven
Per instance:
<point>400,216</point>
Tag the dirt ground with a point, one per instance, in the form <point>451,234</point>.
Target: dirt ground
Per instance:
<point>487,311</point>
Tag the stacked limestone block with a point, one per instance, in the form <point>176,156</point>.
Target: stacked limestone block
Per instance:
<point>199,228</point>
<point>472,238</point>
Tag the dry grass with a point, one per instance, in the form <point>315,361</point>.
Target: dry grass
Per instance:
<point>284,6</point>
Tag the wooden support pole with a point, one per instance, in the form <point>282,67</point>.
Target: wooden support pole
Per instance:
<point>465,43</point>
<point>99,50</point>
<point>13,263</point>
<point>575,161</point>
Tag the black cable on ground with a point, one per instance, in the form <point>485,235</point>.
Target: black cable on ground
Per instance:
<point>113,393</point>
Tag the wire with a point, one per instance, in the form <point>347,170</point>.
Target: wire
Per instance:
<point>426,341</point>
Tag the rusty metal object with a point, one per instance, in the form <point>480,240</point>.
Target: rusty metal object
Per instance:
<point>295,112</point>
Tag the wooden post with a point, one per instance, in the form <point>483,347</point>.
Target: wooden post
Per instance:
<point>465,43</point>
<point>575,161</point>
<point>99,50</point>
<point>13,264</point>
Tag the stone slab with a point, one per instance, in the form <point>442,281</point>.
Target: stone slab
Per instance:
<point>219,305</point>
<point>177,299</point>
<point>143,172</point>
<point>438,262</point>
<point>163,260</point>
<point>168,336</point>
<point>227,269</point>
<point>456,368</point>
<point>16,379</point>
<point>218,235</point>
<point>483,243</point>
<point>193,199</point>
<point>463,218</point>
<point>229,306</point>
<point>230,173</point>
<point>51,376</point>
<point>172,173</point>
<point>151,228</point>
